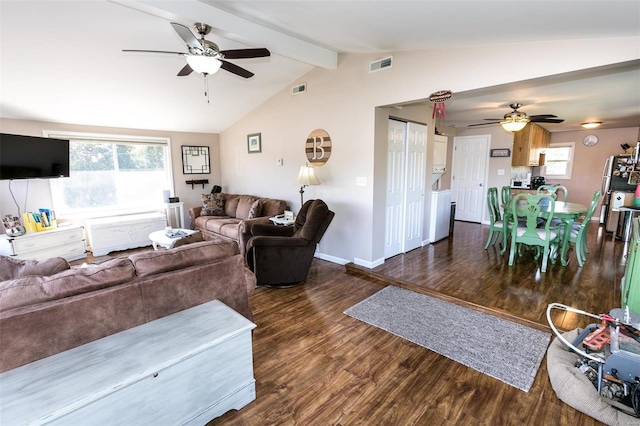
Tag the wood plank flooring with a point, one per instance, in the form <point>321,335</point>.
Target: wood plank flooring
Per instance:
<point>316,366</point>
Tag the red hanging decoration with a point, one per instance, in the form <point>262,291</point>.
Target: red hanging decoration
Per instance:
<point>437,99</point>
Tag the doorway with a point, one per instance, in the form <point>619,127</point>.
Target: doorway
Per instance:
<point>469,175</point>
<point>406,174</point>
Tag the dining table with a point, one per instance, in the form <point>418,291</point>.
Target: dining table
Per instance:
<point>567,213</point>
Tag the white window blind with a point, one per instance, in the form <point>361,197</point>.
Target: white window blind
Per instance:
<point>112,174</point>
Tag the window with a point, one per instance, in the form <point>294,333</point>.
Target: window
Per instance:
<point>558,160</point>
<point>112,175</point>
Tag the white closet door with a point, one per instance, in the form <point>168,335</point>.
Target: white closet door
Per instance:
<point>406,168</point>
<point>396,159</point>
<point>414,188</point>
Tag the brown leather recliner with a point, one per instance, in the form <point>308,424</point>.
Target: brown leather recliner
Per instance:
<point>282,255</point>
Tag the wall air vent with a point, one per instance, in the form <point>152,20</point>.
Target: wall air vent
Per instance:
<point>380,64</point>
<point>296,90</point>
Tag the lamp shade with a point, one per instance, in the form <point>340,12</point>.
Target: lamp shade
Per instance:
<point>203,64</point>
<point>513,126</point>
<point>514,121</point>
<point>307,176</point>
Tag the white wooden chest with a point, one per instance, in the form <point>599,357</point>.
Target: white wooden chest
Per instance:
<point>109,234</point>
<point>186,368</point>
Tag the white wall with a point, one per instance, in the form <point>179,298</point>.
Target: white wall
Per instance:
<point>33,194</point>
<point>343,102</point>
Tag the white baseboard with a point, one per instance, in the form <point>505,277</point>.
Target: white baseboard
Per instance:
<point>368,264</point>
<point>332,259</point>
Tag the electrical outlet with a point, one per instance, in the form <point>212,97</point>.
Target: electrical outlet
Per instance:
<point>500,172</point>
<point>361,181</point>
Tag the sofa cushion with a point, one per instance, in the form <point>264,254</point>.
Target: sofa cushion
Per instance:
<point>256,209</point>
<point>35,289</point>
<point>231,204</point>
<point>271,207</point>
<point>11,268</point>
<point>215,224</point>
<point>245,202</point>
<point>212,205</point>
<point>156,262</point>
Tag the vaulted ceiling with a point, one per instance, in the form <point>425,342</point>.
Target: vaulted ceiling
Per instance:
<point>62,61</point>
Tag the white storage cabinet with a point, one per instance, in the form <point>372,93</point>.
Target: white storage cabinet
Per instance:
<point>64,241</point>
<point>116,233</point>
<point>186,368</point>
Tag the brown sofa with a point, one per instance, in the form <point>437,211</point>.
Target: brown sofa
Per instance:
<point>47,307</point>
<point>235,217</point>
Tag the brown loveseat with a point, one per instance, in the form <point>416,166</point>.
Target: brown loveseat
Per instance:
<point>231,216</point>
<point>47,307</point>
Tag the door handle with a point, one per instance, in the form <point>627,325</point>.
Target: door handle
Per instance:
<point>480,183</point>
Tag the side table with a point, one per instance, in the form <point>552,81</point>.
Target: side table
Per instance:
<point>175,211</point>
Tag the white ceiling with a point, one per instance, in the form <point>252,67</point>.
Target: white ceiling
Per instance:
<point>62,61</point>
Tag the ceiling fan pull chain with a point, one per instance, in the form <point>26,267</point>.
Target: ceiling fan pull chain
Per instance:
<point>206,87</point>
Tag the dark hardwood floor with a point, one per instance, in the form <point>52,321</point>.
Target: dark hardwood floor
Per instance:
<point>316,366</point>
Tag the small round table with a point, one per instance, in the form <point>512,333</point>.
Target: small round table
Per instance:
<point>159,238</point>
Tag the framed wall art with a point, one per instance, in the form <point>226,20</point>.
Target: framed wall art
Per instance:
<point>195,160</point>
<point>501,152</point>
<point>254,143</point>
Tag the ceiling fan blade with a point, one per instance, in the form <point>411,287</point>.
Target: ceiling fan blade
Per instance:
<point>245,53</point>
<point>493,119</point>
<point>547,120</point>
<point>186,35</point>
<point>543,116</point>
<point>483,124</point>
<point>234,69</point>
<point>153,51</point>
<point>186,70</point>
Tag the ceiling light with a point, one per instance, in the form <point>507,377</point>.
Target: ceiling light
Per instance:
<point>591,124</point>
<point>514,121</point>
<point>203,64</point>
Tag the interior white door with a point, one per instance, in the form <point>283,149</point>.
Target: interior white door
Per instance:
<point>415,185</point>
<point>469,166</point>
<point>394,207</point>
<point>406,173</point>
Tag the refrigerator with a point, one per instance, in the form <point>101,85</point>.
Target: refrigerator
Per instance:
<point>616,189</point>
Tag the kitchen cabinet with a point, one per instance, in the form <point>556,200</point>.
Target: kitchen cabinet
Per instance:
<point>439,154</point>
<point>528,144</point>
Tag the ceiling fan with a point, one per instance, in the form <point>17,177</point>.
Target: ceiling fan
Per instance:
<point>205,57</point>
<point>516,120</point>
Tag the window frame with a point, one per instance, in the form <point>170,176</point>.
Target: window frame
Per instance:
<point>116,139</point>
<point>567,175</point>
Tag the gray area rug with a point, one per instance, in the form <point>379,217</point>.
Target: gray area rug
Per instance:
<point>499,348</point>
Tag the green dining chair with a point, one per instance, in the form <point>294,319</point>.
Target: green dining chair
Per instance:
<point>537,230</point>
<point>553,191</point>
<point>578,233</point>
<point>496,224</point>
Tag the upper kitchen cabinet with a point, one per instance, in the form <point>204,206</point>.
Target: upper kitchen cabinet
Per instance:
<point>528,144</point>
<point>439,153</point>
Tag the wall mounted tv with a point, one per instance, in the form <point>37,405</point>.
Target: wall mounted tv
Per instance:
<point>31,157</point>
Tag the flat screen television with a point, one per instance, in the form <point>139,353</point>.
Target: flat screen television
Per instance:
<point>31,157</point>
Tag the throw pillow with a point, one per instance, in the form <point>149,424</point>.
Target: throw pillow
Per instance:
<point>255,210</point>
<point>12,268</point>
<point>212,205</point>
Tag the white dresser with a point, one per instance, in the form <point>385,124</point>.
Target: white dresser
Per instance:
<point>109,234</point>
<point>64,241</point>
<point>186,368</point>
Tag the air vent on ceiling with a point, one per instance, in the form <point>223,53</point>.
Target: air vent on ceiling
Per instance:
<point>380,64</point>
<point>296,90</point>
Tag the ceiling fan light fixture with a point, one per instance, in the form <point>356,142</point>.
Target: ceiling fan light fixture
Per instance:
<point>591,124</point>
<point>204,64</point>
